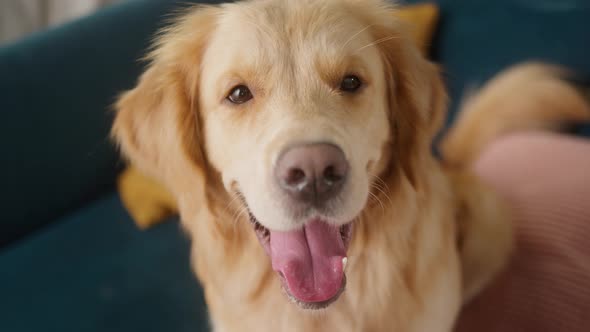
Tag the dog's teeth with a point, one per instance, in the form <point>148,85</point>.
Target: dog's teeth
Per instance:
<point>344,262</point>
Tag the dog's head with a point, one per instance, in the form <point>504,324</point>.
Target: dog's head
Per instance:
<point>297,108</point>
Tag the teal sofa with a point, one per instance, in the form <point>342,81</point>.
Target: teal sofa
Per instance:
<point>70,257</point>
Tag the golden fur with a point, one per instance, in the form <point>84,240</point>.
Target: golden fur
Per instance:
<point>424,237</point>
<point>530,96</point>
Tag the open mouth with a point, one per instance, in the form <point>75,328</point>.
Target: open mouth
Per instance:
<point>310,261</point>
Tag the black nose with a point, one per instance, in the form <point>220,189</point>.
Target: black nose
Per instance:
<point>312,173</point>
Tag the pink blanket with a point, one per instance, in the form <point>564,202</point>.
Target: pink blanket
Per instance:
<point>546,179</point>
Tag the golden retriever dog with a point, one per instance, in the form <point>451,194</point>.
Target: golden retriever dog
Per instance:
<point>296,138</point>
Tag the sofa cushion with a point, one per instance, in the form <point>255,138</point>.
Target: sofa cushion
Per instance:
<point>94,271</point>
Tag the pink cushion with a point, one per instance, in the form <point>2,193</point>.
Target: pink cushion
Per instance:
<point>546,179</point>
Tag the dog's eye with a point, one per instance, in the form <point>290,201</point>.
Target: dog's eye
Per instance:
<point>350,83</point>
<point>239,94</point>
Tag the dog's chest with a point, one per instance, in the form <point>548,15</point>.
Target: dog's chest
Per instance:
<point>381,308</point>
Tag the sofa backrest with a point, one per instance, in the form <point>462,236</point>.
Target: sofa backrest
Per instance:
<point>56,90</point>
<point>478,38</point>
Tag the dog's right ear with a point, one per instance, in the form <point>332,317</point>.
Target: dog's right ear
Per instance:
<point>148,126</point>
<point>157,122</point>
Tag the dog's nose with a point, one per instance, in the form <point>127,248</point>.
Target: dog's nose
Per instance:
<point>312,173</point>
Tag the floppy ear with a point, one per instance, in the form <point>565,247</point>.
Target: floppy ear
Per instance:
<point>157,122</point>
<point>153,119</point>
<point>416,96</point>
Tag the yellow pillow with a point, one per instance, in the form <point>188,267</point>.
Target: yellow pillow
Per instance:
<point>422,18</point>
<point>149,203</point>
<point>146,200</point>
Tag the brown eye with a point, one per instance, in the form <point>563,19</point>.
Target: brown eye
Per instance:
<point>239,94</point>
<point>350,83</point>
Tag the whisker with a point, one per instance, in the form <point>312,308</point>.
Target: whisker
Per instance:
<point>380,183</point>
<point>356,35</point>
<point>237,211</point>
<point>382,187</point>
<point>243,211</point>
<point>381,190</point>
<point>375,197</point>
<point>231,202</point>
<point>377,42</point>
<point>236,217</point>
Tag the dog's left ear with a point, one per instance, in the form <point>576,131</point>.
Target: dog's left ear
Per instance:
<point>416,96</point>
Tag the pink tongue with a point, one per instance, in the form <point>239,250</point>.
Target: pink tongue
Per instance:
<point>310,260</point>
